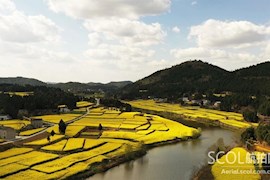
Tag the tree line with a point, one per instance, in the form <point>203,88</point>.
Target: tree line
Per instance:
<point>43,98</point>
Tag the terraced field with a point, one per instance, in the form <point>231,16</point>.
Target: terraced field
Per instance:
<point>16,124</point>
<point>31,132</point>
<point>82,104</point>
<point>227,119</point>
<point>56,118</point>
<point>22,94</point>
<point>83,145</point>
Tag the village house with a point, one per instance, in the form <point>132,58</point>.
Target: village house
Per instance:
<point>217,104</point>
<point>185,99</point>
<point>4,117</point>
<point>63,109</point>
<point>206,102</point>
<point>160,100</point>
<point>7,132</point>
<point>36,123</point>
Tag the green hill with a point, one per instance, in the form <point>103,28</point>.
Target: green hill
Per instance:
<point>69,86</point>
<point>198,76</point>
<point>21,81</point>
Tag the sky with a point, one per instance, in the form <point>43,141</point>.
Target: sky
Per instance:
<point>115,40</point>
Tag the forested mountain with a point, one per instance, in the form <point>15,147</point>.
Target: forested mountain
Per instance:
<point>197,76</point>
<point>73,87</point>
<point>21,81</point>
<point>80,87</point>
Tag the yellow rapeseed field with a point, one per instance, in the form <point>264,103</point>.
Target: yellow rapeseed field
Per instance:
<point>74,143</point>
<point>38,159</point>
<point>72,131</point>
<point>129,126</point>
<point>30,132</point>
<point>196,113</point>
<point>13,152</point>
<point>22,94</point>
<point>16,124</point>
<point>91,143</point>
<point>21,157</point>
<point>67,161</point>
<point>62,174</point>
<point>237,160</point>
<point>143,127</point>
<point>44,141</point>
<point>11,168</point>
<point>56,118</point>
<point>59,146</point>
<point>82,104</point>
<point>122,133</point>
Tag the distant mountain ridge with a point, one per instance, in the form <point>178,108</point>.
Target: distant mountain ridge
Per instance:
<point>21,81</point>
<point>69,86</point>
<point>198,76</point>
<point>187,77</point>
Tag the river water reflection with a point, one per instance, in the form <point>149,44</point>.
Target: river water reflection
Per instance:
<point>176,161</point>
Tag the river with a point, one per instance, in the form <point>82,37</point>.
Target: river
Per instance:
<point>170,162</point>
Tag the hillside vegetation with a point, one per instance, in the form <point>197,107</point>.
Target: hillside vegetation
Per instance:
<point>74,87</point>
<point>200,77</point>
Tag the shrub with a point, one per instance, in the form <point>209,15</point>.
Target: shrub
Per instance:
<point>52,133</point>
<point>62,127</point>
<point>249,133</point>
<point>250,116</point>
<point>100,127</point>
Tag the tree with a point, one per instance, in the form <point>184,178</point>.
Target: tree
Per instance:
<point>262,131</point>
<point>264,108</point>
<point>250,116</point>
<point>249,133</point>
<point>62,126</point>
<point>100,127</point>
<point>52,133</point>
<point>267,138</point>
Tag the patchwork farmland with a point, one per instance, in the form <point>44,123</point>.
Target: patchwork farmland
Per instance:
<point>224,119</point>
<point>97,137</point>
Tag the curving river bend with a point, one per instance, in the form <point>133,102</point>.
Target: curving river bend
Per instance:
<point>176,161</point>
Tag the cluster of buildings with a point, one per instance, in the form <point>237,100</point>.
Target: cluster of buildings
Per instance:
<point>192,102</point>
<point>8,133</point>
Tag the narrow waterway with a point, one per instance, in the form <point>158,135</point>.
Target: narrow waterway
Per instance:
<point>170,162</point>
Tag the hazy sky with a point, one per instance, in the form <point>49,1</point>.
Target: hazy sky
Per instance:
<point>113,40</point>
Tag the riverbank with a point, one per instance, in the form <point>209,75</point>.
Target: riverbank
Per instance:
<point>171,161</point>
<point>107,164</point>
